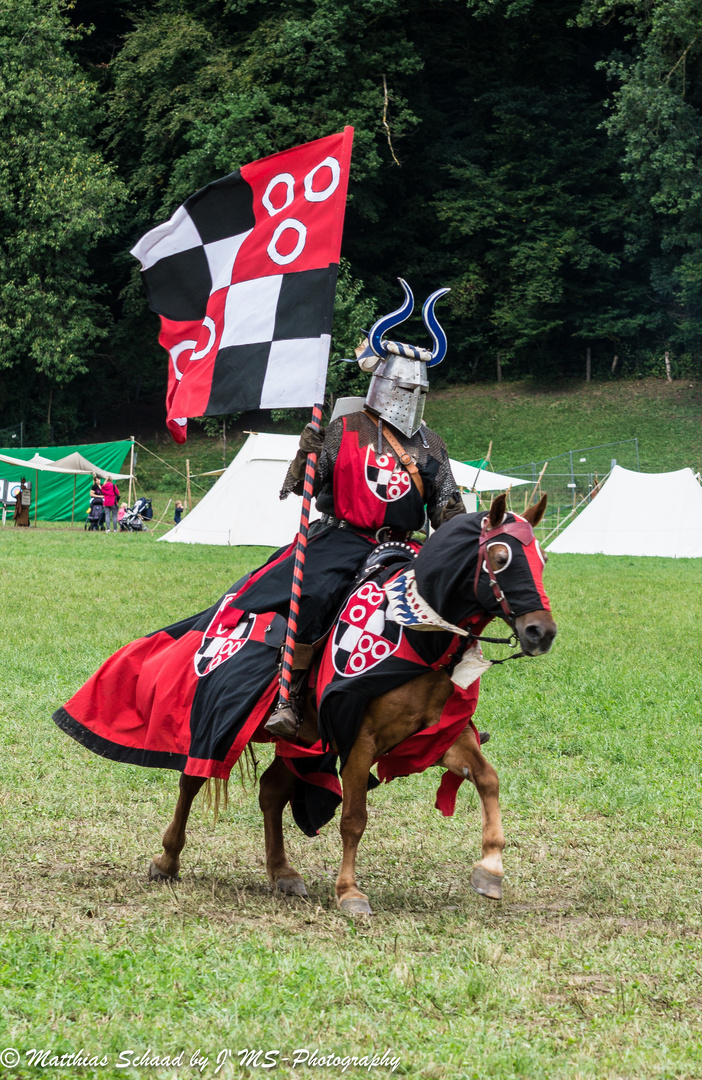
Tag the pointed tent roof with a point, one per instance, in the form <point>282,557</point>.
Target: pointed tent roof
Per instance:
<point>243,506</point>
<point>638,513</point>
<point>75,462</point>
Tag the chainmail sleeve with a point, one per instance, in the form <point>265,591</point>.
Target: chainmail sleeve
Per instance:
<point>444,498</point>
<point>295,476</point>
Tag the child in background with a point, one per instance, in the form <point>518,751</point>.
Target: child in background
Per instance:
<point>178,511</point>
<point>120,512</point>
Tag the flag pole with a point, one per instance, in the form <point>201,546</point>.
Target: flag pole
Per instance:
<point>299,568</point>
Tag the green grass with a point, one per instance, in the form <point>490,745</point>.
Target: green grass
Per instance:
<point>590,967</point>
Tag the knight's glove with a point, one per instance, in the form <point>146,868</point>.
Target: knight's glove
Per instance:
<point>312,441</point>
<point>450,509</point>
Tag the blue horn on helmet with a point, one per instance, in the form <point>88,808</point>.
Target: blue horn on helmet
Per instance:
<point>412,352</point>
<point>435,328</point>
<point>386,322</point>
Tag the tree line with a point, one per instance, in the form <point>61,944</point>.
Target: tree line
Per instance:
<point>540,157</point>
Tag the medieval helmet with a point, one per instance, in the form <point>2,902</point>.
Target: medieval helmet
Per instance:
<point>399,384</point>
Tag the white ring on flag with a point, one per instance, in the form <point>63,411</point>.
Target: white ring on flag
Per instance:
<point>208,322</point>
<point>282,178</point>
<point>321,196</point>
<point>175,353</point>
<point>289,223</point>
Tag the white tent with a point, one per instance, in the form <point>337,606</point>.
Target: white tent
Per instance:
<point>243,506</point>
<point>637,513</point>
<point>74,464</point>
<point>474,479</point>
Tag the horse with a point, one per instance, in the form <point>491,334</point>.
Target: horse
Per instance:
<point>415,706</point>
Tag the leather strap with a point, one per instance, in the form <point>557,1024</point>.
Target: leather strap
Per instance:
<point>403,457</point>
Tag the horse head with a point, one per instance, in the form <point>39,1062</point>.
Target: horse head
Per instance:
<point>512,559</point>
<point>489,564</point>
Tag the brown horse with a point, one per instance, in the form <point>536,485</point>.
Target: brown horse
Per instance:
<point>387,721</point>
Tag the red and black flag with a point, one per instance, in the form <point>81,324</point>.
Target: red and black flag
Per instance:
<point>243,276</point>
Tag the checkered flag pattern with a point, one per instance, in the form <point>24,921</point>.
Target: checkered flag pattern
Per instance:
<point>243,276</point>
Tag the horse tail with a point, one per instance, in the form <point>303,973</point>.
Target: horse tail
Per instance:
<point>216,795</point>
<point>216,792</point>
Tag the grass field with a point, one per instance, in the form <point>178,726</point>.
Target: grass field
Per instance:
<point>590,967</point>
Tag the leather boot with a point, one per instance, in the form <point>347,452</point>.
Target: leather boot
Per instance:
<point>286,719</point>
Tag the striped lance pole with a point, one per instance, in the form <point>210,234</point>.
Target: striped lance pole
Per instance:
<point>298,569</point>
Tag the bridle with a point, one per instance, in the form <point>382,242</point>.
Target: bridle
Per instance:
<point>522,531</point>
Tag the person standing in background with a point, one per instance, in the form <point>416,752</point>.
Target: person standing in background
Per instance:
<point>22,504</point>
<point>178,512</point>
<point>110,495</point>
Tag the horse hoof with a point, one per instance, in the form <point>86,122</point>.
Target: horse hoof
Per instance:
<point>486,883</point>
<point>291,886</point>
<point>356,905</point>
<point>158,875</point>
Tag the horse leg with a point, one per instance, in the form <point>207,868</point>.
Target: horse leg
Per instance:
<point>276,787</point>
<point>354,815</point>
<point>165,867</point>
<point>466,759</point>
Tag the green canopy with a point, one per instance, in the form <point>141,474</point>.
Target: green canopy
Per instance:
<point>56,490</point>
<point>479,463</point>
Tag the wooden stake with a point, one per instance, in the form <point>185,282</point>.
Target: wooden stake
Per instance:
<point>188,497</point>
<point>667,366</point>
<point>588,364</point>
<point>499,368</point>
<point>531,499</point>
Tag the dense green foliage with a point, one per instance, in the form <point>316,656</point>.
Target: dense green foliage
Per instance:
<point>542,159</point>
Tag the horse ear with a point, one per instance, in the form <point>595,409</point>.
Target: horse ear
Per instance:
<point>535,513</point>
<point>497,511</point>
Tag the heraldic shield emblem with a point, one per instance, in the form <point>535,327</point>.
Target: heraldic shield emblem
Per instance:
<point>223,638</point>
<point>385,478</point>
<point>364,634</point>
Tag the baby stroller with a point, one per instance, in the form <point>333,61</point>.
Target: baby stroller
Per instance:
<point>96,516</point>
<point>143,507</point>
<point>133,520</point>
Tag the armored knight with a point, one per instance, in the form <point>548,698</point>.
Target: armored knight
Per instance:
<point>379,467</point>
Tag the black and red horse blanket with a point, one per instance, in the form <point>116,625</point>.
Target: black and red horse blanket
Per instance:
<point>193,695</point>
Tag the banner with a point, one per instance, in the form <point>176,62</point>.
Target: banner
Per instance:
<point>243,276</point>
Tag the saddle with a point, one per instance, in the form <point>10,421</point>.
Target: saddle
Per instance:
<point>394,554</point>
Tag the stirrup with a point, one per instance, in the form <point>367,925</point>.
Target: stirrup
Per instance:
<point>285,720</point>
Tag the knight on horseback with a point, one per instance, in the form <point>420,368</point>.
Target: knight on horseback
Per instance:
<point>381,471</point>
